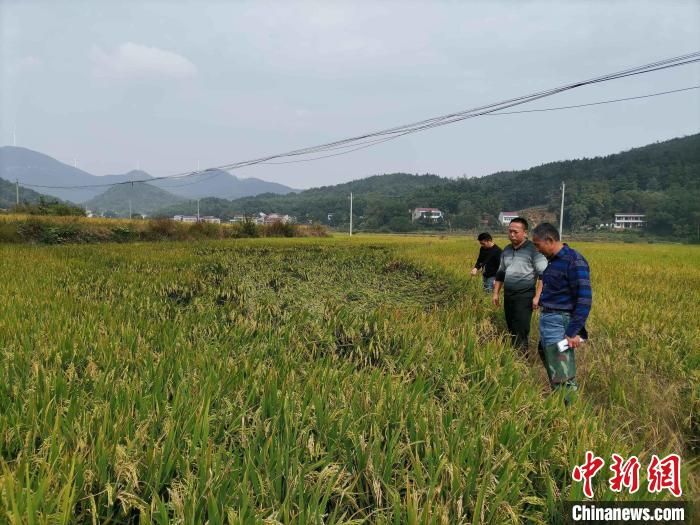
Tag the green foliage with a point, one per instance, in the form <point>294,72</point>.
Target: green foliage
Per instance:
<point>44,230</point>
<point>245,230</point>
<point>661,180</point>
<point>49,206</point>
<point>144,199</point>
<point>278,229</point>
<point>8,195</point>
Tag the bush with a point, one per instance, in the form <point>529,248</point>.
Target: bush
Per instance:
<point>162,229</point>
<point>279,229</point>
<point>244,230</point>
<point>34,230</point>
<point>44,207</point>
<point>9,233</point>
<point>60,231</point>
<point>313,230</point>
<point>249,229</point>
<point>205,230</point>
<point>31,230</point>
<point>123,234</point>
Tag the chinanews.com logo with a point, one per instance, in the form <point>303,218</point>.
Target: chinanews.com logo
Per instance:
<point>663,475</point>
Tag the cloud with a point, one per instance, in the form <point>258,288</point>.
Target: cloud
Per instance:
<point>22,65</point>
<point>131,60</point>
<point>28,62</point>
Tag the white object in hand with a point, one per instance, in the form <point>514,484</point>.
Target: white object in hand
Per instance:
<point>563,345</point>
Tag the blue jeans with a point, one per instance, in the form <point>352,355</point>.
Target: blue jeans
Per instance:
<point>488,283</point>
<point>560,366</point>
<point>553,327</point>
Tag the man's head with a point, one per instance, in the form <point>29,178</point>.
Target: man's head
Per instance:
<point>546,239</point>
<point>517,231</point>
<point>485,240</point>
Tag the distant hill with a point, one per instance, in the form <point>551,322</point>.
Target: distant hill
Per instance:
<point>8,195</point>
<point>315,204</point>
<point>661,180</point>
<point>32,167</point>
<point>221,184</point>
<point>144,199</point>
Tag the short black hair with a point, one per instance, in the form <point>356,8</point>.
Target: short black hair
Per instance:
<point>523,221</point>
<point>485,236</point>
<point>546,231</point>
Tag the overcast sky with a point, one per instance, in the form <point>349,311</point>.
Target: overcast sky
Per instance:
<point>168,85</point>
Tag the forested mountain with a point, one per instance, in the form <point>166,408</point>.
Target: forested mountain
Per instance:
<point>140,197</point>
<point>661,180</point>
<point>8,195</point>
<point>384,195</point>
<point>222,184</point>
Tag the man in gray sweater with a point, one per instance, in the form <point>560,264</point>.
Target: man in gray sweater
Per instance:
<point>519,274</point>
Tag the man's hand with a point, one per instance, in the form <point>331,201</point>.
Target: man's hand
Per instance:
<point>536,302</point>
<point>574,342</point>
<point>474,271</point>
<point>496,299</point>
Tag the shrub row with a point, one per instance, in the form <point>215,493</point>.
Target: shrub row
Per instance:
<point>47,231</point>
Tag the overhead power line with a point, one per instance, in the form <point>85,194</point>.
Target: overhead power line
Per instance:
<point>600,102</point>
<point>369,139</point>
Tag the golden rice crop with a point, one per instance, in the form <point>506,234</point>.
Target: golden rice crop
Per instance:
<point>321,381</point>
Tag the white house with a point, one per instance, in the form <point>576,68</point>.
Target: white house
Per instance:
<point>276,217</point>
<point>625,221</point>
<point>505,217</point>
<point>193,218</point>
<point>429,214</point>
<point>185,218</point>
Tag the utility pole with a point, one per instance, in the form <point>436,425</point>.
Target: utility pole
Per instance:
<point>350,214</point>
<point>14,137</point>
<point>17,191</point>
<point>197,210</point>
<point>129,208</point>
<point>561,214</point>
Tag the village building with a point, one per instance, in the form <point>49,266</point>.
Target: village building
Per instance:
<point>185,218</point>
<point>505,217</point>
<point>626,221</point>
<point>276,217</point>
<point>193,218</point>
<point>426,214</point>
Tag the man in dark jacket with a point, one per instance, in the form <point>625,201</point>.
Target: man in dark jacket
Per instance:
<point>488,261</point>
<point>565,304</point>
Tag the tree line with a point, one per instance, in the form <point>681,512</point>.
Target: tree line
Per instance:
<point>661,180</point>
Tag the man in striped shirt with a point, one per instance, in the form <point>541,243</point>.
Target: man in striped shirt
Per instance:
<point>564,304</point>
<point>519,274</point>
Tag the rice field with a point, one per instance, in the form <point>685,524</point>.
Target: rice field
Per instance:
<point>362,380</point>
